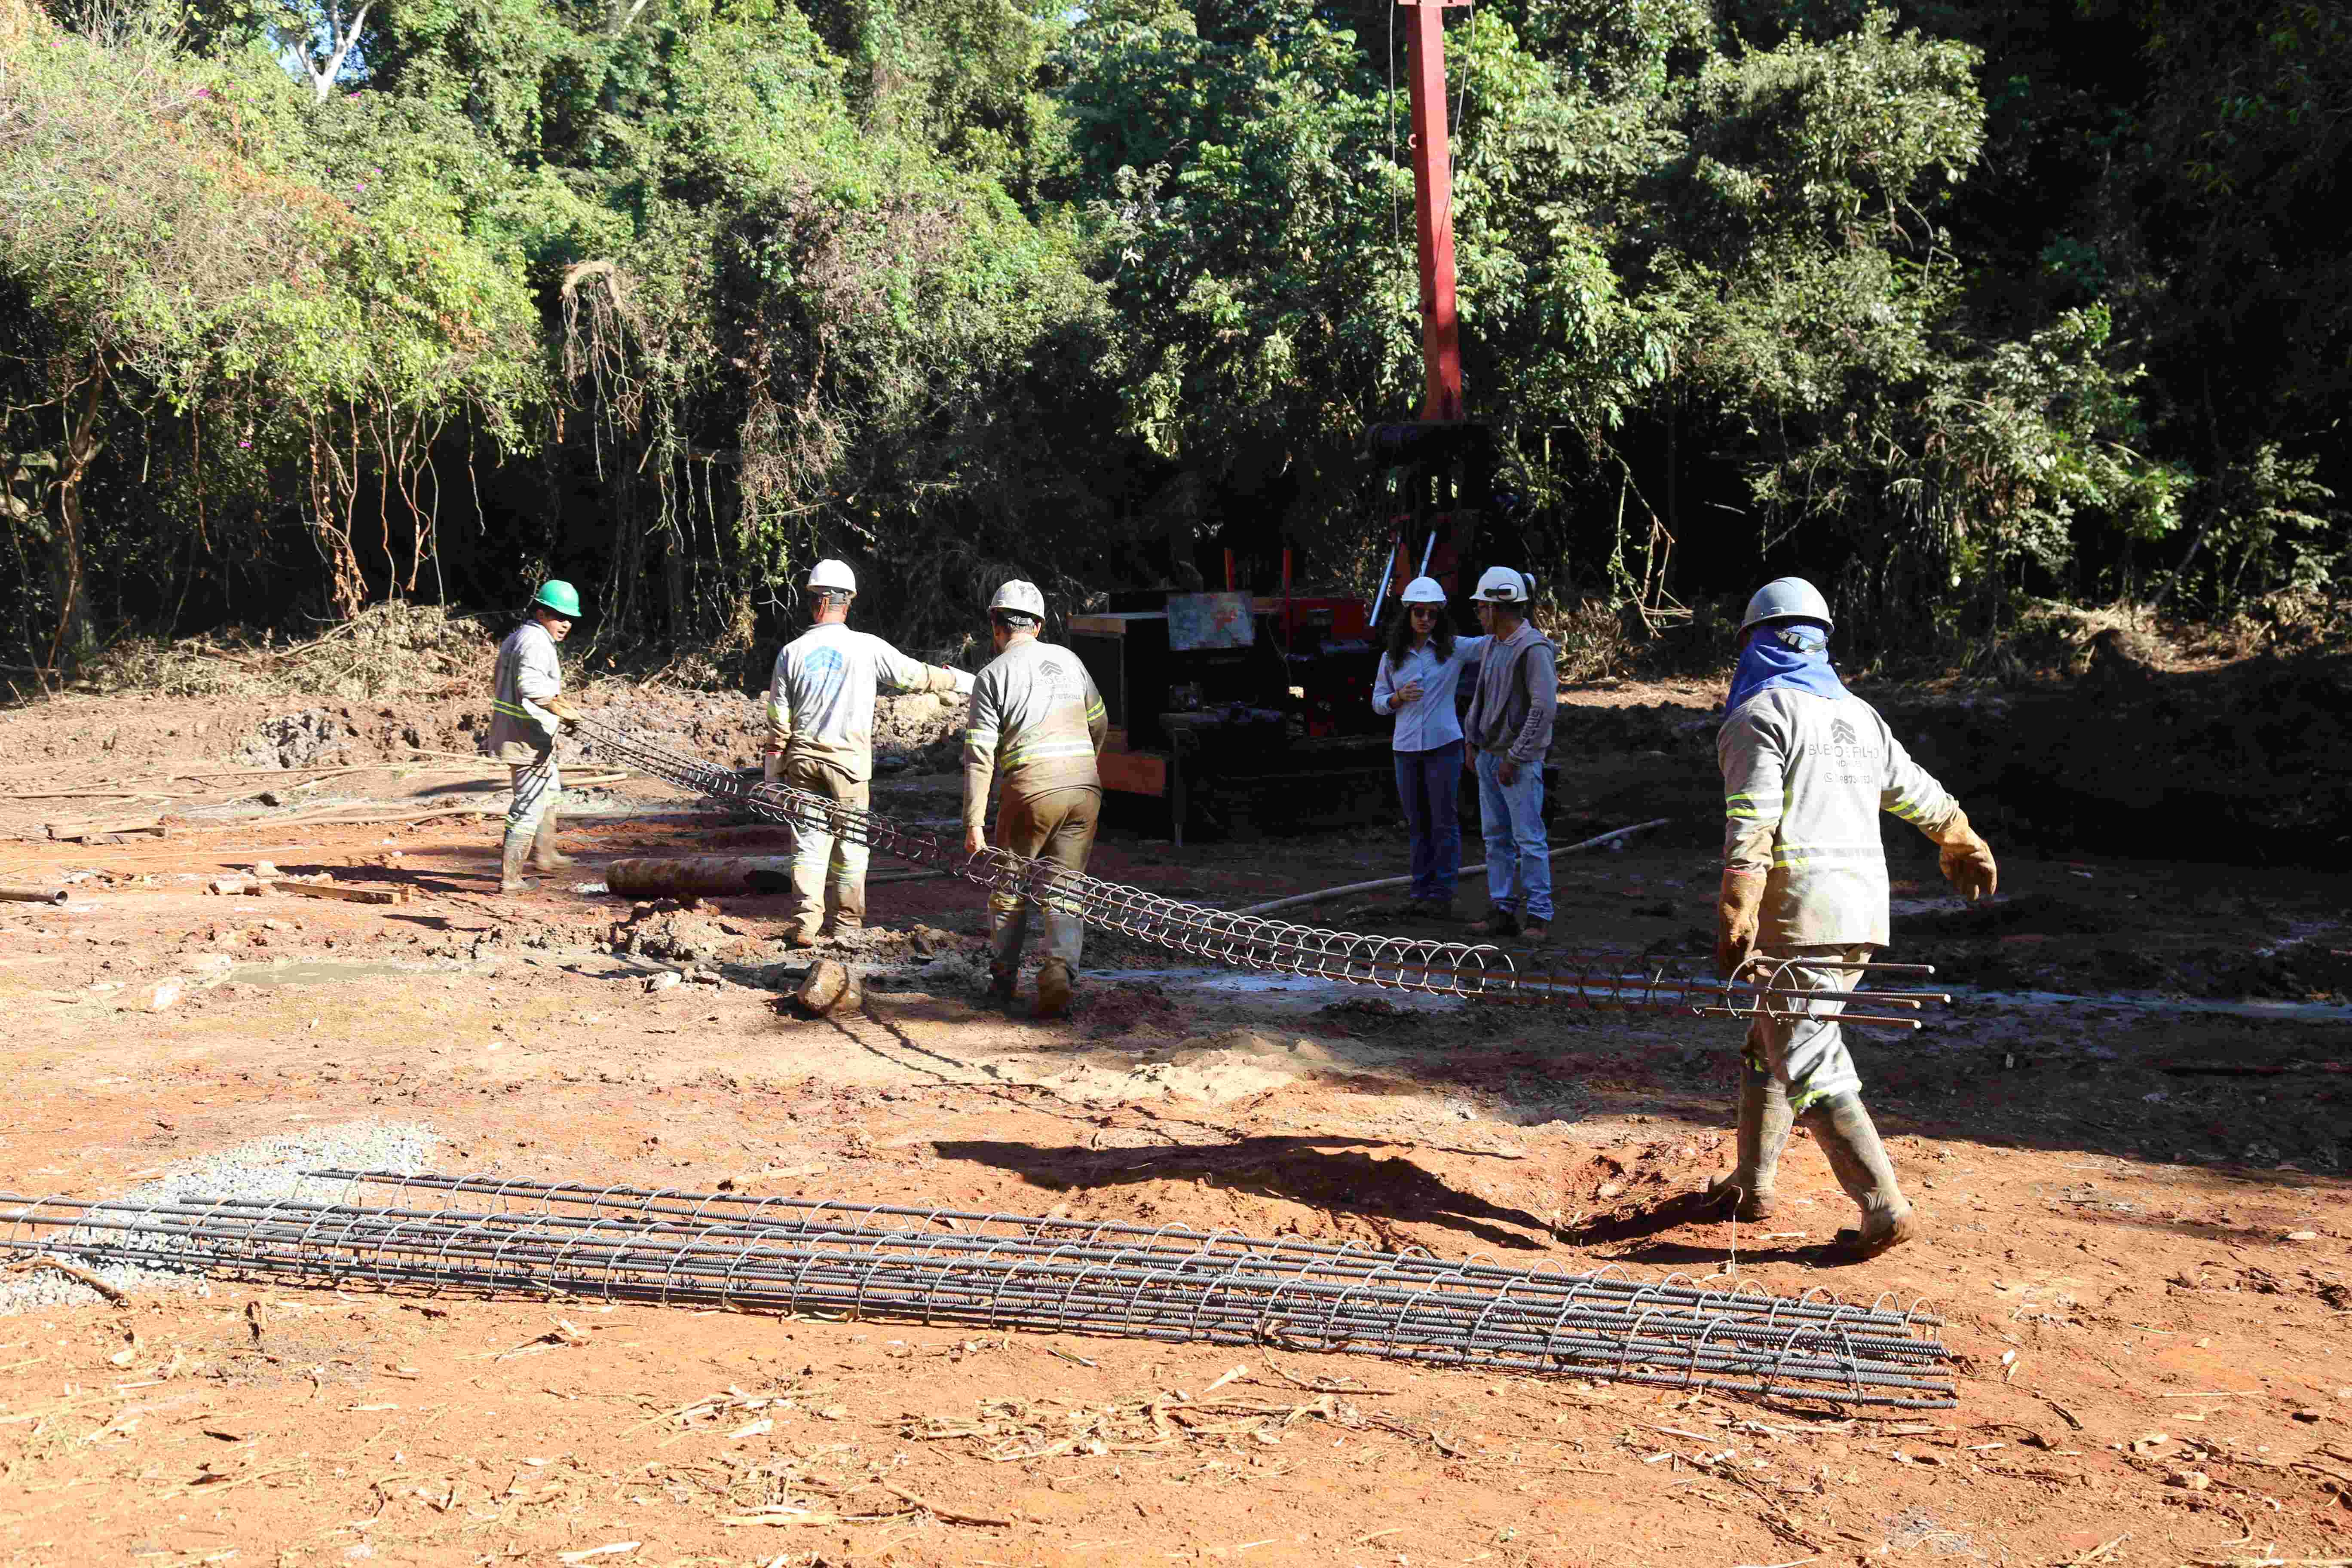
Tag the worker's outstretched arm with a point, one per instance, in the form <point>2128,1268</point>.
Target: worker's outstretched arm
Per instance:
<point>980,742</point>
<point>1753,755</point>
<point>1911,793</point>
<point>897,672</point>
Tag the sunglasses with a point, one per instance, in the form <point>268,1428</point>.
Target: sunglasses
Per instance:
<point>1424,609</point>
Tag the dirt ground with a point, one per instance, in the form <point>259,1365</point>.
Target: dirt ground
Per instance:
<point>2128,1136</point>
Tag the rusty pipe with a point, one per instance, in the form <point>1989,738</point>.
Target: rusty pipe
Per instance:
<point>32,895</point>
<point>700,876</point>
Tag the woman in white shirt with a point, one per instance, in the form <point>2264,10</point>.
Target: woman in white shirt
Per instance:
<point>1419,671</point>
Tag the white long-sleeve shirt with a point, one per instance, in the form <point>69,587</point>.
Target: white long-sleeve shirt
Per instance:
<point>530,671</point>
<point>821,698</point>
<point>1804,778</point>
<point>1429,721</point>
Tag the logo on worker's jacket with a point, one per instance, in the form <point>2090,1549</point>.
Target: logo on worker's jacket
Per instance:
<point>1847,746</point>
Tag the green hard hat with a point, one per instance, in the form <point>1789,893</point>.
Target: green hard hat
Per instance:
<point>560,596</point>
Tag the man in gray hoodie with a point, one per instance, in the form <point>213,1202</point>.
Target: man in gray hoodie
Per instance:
<point>1509,727</point>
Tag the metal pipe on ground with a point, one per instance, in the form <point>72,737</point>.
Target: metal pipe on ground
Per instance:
<point>700,875</point>
<point>32,895</point>
<point>723,877</point>
<point>1386,882</point>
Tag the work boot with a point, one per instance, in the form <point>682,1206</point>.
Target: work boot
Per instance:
<point>1844,1130</point>
<point>1764,1119</point>
<point>801,936</point>
<point>1000,984</point>
<point>845,929</point>
<point>544,856</point>
<point>1538,931</point>
<point>1053,989</point>
<point>1499,923</point>
<point>511,854</point>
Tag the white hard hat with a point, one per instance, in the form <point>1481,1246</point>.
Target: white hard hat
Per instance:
<point>1786,599</point>
<point>1421,591</point>
<point>832,574</point>
<point>1501,586</point>
<point>1019,596</point>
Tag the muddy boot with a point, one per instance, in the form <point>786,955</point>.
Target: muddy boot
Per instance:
<point>1053,989</point>
<point>1000,985</point>
<point>1764,1119</point>
<point>511,854</point>
<point>544,856</point>
<point>1844,1130</point>
<point>1499,923</point>
<point>845,929</point>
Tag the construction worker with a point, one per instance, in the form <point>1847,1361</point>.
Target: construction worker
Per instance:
<point>527,709</point>
<point>1509,727</point>
<point>1036,716</point>
<point>820,739</point>
<point>1807,767</point>
<point>1419,668</point>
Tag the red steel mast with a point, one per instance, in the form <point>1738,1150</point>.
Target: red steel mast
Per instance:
<point>1433,203</point>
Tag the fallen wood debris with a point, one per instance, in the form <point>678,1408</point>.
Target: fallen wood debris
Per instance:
<point>349,895</point>
<point>83,832</point>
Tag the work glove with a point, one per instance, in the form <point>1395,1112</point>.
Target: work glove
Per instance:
<point>771,767</point>
<point>1738,912</point>
<point>560,706</point>
<point>1966,859</point>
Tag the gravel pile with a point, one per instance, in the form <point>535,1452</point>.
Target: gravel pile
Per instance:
<point>265,1168</point>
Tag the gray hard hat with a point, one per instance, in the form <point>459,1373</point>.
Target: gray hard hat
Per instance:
<point>1786,599</point>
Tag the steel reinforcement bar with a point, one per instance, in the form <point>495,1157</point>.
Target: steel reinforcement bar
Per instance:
<point>1596,982</point>
<point>681,1208</point>
<point>1445,1317</point>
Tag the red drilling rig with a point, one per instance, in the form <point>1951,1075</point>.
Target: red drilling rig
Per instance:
<point>1215,695</point>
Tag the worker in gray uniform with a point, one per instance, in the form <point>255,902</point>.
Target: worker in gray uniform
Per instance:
<point>526,711</point>
<point>820,739</point>
<point>1807,767</point>
<point>1037,719</point>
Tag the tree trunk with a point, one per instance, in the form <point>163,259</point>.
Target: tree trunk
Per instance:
<point>81,446</point>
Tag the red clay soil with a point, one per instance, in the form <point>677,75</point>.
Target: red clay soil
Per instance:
<point>2137,1215</point>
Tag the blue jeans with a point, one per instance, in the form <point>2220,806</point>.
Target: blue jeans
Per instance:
<point>1519,855</point>
<point>1427,785</point>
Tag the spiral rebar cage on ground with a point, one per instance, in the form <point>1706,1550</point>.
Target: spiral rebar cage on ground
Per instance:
<point>1598,983</point>
<point>1010,1271</point>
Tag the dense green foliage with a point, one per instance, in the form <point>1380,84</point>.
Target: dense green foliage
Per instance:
<point>1950,303</point>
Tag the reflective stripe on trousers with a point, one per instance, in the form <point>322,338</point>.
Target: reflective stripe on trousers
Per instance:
<point>536,787</point>
<point>1057,825</point>
<point>1807,1052</point>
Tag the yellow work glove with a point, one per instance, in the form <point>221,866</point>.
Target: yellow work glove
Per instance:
<point>1966,859</point>
<point>560,706</point>
<point>1739,910</point>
